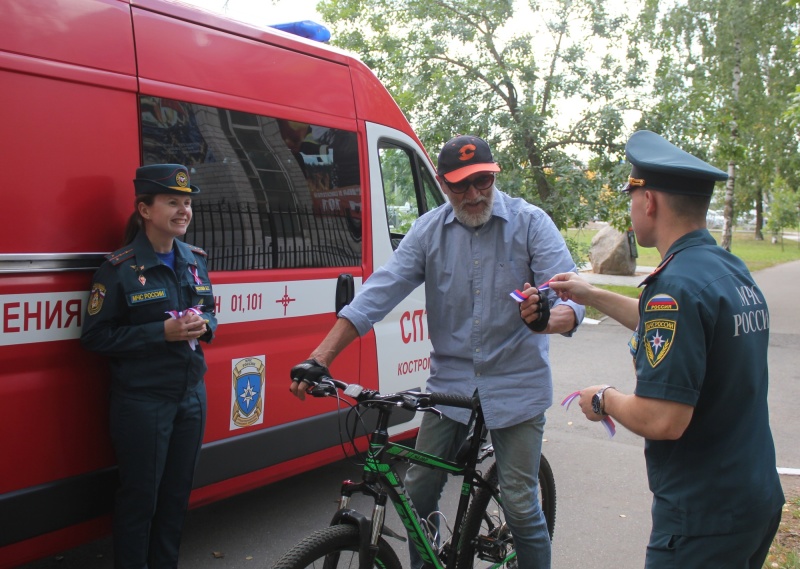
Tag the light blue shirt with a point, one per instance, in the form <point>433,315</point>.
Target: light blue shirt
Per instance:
<point>479,340</point>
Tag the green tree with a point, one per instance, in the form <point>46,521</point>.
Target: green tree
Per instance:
<point>793,112</point>
<point>723,82</point>
<point>784,211</point>
<point>542,81</point>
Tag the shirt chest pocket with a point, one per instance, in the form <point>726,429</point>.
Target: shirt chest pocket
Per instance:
<point>510,276</point>
<point>201,294</point>
<point>149,305</point>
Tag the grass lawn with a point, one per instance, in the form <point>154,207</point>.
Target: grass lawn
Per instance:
<point>785,550</point>
<point>631,291</point>
<point>756,254</point>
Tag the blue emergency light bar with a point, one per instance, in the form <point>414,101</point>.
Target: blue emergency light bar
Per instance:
<point>305,29</point>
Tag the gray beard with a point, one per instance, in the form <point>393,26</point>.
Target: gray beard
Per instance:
<point>475,219</point>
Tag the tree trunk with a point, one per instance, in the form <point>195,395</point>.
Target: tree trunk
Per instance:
<point>759,233</point>
<point>727,225</point>
<point>727,211</point>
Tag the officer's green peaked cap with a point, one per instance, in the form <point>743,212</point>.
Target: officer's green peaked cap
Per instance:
<point>660,165</point>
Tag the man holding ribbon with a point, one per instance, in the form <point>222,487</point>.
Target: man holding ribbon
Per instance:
<point>699,345</point>
<point>478,256</point>
<point>150,303</point>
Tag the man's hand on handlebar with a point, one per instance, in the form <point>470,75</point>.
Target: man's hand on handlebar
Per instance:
<point>306,374</point>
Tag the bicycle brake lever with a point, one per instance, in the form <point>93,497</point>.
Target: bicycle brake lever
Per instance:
<point>322,390</point>
<point>435,411</point>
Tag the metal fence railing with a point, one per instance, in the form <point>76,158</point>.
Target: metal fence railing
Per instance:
<point>242,237</point>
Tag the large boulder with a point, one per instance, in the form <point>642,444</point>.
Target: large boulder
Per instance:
<point>610,253</point>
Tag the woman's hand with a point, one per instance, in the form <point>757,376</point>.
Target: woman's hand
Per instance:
<point>190,326</point>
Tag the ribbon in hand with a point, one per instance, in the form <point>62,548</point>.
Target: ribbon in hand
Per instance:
<point>607,422</point>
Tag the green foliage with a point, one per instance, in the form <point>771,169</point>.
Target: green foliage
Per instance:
<point>725,77</point>
<point>578,249</point>
<point>540,93</point>
<point>784,210</point>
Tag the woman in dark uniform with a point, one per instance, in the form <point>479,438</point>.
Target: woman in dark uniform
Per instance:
<point>151,303</point>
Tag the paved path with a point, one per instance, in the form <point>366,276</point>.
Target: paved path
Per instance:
<point>634,280</point>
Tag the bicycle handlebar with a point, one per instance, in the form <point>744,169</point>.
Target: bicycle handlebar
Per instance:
<point>453,400</point>
<point>411,400</point>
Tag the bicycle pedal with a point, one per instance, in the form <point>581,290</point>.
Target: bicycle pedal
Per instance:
<point>490,549</point>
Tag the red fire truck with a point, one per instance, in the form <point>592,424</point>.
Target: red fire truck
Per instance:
<point>309,174</point>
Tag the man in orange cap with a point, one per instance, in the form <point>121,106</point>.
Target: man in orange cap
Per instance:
<point>471,254</point>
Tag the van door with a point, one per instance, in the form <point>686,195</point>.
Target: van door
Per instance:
<point>401,170</point>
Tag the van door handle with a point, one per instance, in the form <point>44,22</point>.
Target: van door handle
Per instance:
<point>345,290</point>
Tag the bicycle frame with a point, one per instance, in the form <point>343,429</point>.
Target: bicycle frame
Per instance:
<point>380,481</point>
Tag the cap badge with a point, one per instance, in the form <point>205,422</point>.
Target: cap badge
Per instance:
<point>182,179</point>
<point>467,152</point>
<point>636,182</point>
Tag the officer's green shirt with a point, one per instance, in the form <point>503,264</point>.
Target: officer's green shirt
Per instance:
<point>702,340</point>
<point>132,294</point>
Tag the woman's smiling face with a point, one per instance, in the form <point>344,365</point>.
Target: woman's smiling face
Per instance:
<point>169,216</point>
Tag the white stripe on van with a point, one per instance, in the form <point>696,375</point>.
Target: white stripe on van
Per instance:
<point>51,317</point>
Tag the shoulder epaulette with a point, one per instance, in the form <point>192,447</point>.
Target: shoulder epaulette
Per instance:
<point>653,275</point>
<point>197,250</point>
<point>120,255</point>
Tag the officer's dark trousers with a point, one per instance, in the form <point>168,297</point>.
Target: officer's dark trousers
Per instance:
<point>157,444</point>
<point>745,550</point>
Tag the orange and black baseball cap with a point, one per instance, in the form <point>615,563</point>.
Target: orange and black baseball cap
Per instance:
<point>463,156</point>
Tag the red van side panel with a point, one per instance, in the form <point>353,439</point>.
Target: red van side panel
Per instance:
<point>177,52</point>
<point>51,28</point>
<point>75,95</point>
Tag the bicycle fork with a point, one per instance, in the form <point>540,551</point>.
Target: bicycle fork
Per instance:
<point>369,530</point>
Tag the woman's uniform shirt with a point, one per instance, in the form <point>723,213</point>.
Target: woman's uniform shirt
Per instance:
<point>132,295</point>
<point>702,340</point>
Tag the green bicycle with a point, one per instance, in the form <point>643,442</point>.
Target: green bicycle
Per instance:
<point>480,536</point>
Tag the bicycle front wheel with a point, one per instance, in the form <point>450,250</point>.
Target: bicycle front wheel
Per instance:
<point>486,538</point>
<point>335,547</point>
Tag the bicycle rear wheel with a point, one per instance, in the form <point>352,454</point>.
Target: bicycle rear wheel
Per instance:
<point>334,547</point>
<point>486,539</point>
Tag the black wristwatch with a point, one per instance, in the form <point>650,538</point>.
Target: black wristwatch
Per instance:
<point>597,400</point>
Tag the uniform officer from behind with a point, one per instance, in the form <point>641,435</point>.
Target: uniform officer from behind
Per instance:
<point>701,331</point>
<point>471,253</point>
<point>150,304</point>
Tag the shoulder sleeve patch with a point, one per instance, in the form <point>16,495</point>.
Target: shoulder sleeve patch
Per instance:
<point>96,298</point>
<point>661,302</point>
<point>657,337</point>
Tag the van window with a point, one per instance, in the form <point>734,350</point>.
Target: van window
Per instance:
<point>275,193</point>
<point>408,188</point>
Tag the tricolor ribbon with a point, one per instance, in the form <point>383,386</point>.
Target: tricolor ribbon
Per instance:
<point>607,422</point>
<point>193,270</point>
<point>176,314</point>
<point>520,296</point>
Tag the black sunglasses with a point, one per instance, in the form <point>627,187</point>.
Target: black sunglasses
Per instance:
<point>480,183</point>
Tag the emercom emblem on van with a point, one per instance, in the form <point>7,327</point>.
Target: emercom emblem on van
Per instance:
<point>147,296</point>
